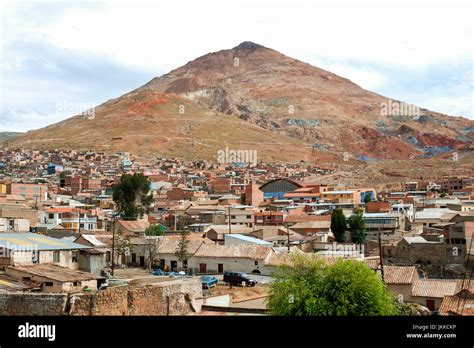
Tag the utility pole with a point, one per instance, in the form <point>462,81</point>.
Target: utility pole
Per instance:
<point>381,257</point>
<point>79,226</point>
<point>230,228</point>
<point>288,235</point>
<point>113,245</point>
<point>175,218</point>
<point>468,253</point>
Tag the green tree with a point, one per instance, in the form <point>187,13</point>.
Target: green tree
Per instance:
<point>311,286</point>
<point>367,199</point>
<point>182,250</point>
<point>357,227</point>
<point>155,230</point>
<point>338,225</point>
<point>132,195</point>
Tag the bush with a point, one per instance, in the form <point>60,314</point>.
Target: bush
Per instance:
<point>312,286</point>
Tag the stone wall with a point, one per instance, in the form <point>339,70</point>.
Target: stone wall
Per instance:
<point>20,303</point>
<point>175,297</point>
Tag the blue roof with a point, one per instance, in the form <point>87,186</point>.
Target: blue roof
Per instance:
<point>22,241</point>
<point>248,239</point>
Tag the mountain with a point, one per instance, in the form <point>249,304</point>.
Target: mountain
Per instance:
<point>8,135</point>
<point>252,97</point>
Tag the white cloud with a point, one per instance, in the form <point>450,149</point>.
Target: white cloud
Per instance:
<point>365,42</point>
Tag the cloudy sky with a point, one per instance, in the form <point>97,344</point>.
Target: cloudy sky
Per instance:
<point>59,58</point>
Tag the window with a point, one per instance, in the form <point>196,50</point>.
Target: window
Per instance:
<point>74,256</point>
<point>56,256</point>
<point>256,263</point>
<point>51,216</point>
<point>249,216</point>
<point>232,216</point>
<point>26,279</point>
<point>76,283</point>
<point>48,284</point>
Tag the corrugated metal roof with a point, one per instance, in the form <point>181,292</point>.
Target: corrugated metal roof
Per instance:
<point>21,241</point>
<point>247,239</point>
<point>54,272</point>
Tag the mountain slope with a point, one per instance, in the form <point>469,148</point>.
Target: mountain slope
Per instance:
<point>256,96</point>
<point>151,123</point>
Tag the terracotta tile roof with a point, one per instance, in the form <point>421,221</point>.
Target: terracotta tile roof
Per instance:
<point>312,224</point>
<point>461,303</point>
<point>437,288</point>
<point>250,251</point>
<point>399,274</point>
<point>169,246</point>
<point>305,217</point>
<point>134,226</point>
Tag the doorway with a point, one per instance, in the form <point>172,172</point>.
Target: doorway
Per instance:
<point>202,268</point>
<point>174,266</point>
<point>220,268</point>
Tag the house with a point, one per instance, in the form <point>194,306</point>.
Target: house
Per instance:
<point>430,292</point>
<point>93,260</point>
<point>31,248</point>
<point>430,216</point>
<point>312,227</point>
<point>35,192</point>
<point>70,218</point>
<point>265,218</point>
<point>240,217</point>
<point>304,194</point>
<point>216,232</point>
<point>278,187</point>
<point>215,258</point>
<point>384,222</point>
<point>163,251</point>
<point>400,280</point>
<point>14,225</point>
<point>264,232</point>
<point>341,196</point>
<point>418,250</point>
<point>377,207</point>
<point>132,228</point>
<point>53,278</point>
<point>461,303</point>
<point>19,211</point>
<point>253,195</point>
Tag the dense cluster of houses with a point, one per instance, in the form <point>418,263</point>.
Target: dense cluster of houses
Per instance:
<point>58,232</point>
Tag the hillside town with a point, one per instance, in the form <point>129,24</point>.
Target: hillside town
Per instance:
<point>61,235</point>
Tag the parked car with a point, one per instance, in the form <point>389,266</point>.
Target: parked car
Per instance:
<point>208,282</point>
<point>238,278</point>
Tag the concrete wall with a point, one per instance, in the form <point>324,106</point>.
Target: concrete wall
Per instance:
<point>229,264</point>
